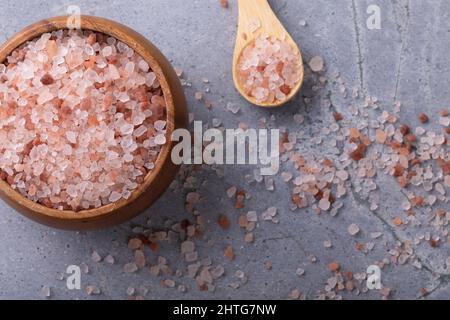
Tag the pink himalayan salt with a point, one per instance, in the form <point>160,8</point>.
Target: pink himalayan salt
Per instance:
<point>82,122</point>
<point>269,69</point>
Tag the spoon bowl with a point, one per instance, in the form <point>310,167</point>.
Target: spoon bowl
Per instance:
<point>256,19</point>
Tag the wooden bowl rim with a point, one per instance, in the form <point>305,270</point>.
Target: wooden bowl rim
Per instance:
<point>138,43</point>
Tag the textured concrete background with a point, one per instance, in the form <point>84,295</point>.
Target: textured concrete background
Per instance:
<point>406,60</point>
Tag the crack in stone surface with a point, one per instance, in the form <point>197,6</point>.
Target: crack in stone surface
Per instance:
<point>402,32</point>
<point>358,45</point>
<point>425,265</point>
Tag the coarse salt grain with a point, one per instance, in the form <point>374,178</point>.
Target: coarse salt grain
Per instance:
<point>316,64</point>
<point>353,229</point>
<point>89,127</point>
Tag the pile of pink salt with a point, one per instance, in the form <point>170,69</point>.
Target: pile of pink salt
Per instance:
<point>269,69</point>
<point>82,120</point>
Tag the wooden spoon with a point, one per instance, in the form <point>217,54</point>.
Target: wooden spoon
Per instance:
<point>258,12</point>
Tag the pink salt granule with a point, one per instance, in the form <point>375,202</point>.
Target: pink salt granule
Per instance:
<point>269,69</point>
<point>82,120</point>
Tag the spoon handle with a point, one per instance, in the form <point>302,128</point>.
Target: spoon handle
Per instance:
<point>249,8</point>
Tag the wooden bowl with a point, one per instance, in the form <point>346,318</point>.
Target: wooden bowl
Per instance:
<point>156,181</point>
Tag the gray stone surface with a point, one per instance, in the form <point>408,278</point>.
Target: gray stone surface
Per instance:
<point>406,60</point>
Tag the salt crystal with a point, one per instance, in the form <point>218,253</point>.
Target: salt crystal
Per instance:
<point>44,97</point>
<point>299,272</point>
<point>252,216</point>
<point>353,229</point>
<point>113,72</point>
<point>444,121</point>
<point>327,244</point>
<point>286,176</point>
<point>324,204</point>
<point>45,292</point>
<point>96,257</point>
<point>233,108</point>
<point>375,235</point>
<point>129,68</point>
<point>114,196</point>
<point>160,125</point>
<point>169,283</point>
<point>447,181</point>
<point>139,258</point>
<point>231,192</point>
<point>198,96</point>
<point>160,139</point>
<point>130,267</point>
<point>106,51</point>
<point>143,65</point>
<point>316,64</point>
<point>92,290</point>
<point>187,247</point>
<point>134,243</point>
<point>131,291</point>
<point>109,259</point>
<point>126,129</point>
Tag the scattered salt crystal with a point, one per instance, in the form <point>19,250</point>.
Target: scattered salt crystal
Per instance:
<point>134,243</point>
<point>187,247</point>
<point>316,64</point>
<point>92,290</point>
<point>249,237</point>
<point>375,235</point>
<point>252,216</point>
<point>130,267</point>
<point>299,272</point>
<point>131,291</point>
<point>169,283</point>
<point>353,229</point>
<point>216,122</point>
<point>406,205</point>
<point>286,176</point>
<point>444,121</point>
<point>198,96</point>
<point>324,204</point>
<point>447,181</point>
<point>233,108</point>
<point>231,192</point>
<point>96,257</point>
<point>139,258</point>
<point>45,292</point>
<point>109,259</point>
<point>342,174</point>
